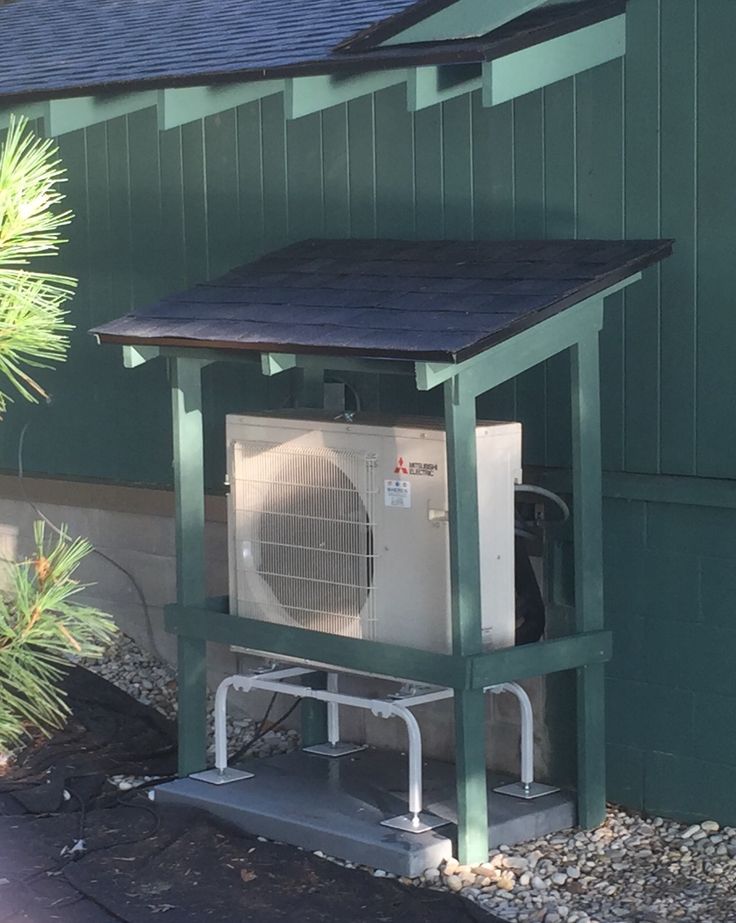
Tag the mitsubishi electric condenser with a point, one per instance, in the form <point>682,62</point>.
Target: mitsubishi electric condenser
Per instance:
<point>341,526</point>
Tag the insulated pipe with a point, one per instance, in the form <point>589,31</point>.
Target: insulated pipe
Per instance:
<point>527,729</point>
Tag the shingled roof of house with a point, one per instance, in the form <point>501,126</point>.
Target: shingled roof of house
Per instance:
<point>50,48</point>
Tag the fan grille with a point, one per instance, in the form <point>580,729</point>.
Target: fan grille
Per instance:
<point>304,528</point>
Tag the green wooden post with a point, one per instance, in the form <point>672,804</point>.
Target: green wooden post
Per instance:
<point>186,407</point>
<point>310,394</point>
<point>470,749</point>
<point>587,504</point>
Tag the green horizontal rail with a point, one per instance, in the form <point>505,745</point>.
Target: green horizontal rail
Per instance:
<point>515,663</point>
<point>317,646</point>
<point>650,488</point>
<point>474,671</point>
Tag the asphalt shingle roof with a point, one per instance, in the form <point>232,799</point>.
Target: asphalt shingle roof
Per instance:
<point>80,42</point>
<point>74,47</point>
<point>436,300</point>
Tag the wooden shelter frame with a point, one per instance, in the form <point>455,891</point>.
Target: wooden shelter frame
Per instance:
<point>468,669</point>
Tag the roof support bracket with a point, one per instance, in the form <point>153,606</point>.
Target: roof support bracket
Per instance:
<point>133,356</point>
<point>540,65</point>
<point>274,363</point>
<point>509,358</point>
<point>306,95</point>
<point>427,86</point>
<point>179,105</point>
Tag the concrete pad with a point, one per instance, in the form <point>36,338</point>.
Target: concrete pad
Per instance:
<point>337,805</point>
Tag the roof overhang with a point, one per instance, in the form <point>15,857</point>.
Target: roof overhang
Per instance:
<point>439,20</point>
<point>500,77</point>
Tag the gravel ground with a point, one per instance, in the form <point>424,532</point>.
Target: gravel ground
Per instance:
<point>153,682</point>
<point>630,870</point>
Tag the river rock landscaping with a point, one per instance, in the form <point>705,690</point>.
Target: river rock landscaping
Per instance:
<point>629,870</point>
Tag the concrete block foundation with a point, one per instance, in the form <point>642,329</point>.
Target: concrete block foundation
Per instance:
<point>337,805</point>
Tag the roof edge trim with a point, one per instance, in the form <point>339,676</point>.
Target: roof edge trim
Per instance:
<point>438,21</point>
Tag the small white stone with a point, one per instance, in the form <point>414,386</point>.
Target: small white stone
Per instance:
<point>431,875</point>
<point>710,826</point>
<point>379,873</point>
<point>454,883</point>
<point>691,831</point>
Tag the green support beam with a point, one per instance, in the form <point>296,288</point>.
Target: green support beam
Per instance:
<point>465,607</point>
<point>587,512</point>
<point>186,406</point>
<point>470,776</point>
<point>308,391</point>
<point>318,647</point>
<point>540,65</point>
<point>510,664</point>
<point>474,672</point>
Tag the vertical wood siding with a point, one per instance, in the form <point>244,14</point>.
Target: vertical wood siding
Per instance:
<point>642,148</point>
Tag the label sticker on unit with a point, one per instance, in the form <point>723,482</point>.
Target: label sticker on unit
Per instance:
<point>397,494</point>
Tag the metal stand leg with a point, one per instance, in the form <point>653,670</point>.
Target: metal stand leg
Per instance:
<point>526,788</point>
<point>333,748</point>
<point>416,821</point>
<point>222,773</point>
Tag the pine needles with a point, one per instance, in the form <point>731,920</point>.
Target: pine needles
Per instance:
<point>33,329</point>
<point>41,623</point>
<point>41,618</point>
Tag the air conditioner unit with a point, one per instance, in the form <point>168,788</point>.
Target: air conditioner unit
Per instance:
<point>342,527</point>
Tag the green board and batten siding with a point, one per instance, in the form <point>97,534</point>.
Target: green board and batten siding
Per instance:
<point>641,148</point>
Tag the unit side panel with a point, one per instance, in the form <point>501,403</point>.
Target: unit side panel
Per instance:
<point>499,468</point>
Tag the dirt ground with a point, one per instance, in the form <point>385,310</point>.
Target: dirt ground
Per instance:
<point>144,863</point>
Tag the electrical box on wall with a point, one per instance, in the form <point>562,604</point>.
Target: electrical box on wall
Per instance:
<point>341,526</point>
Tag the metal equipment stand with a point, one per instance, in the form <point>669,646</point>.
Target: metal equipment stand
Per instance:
<point>399,705</point>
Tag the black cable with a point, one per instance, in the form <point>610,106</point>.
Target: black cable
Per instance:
<point>239,754</point>
<point>134,583</point>
<point>262,723</point>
